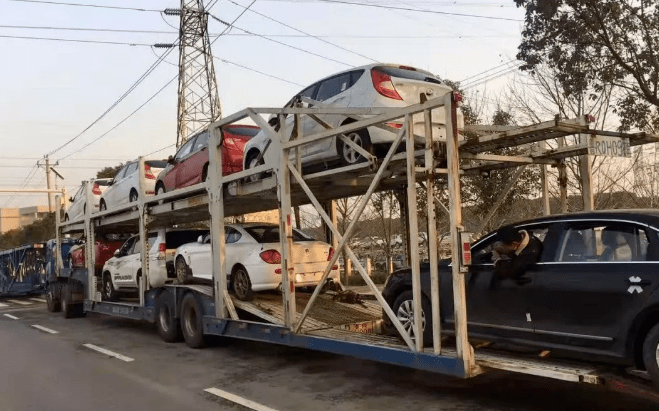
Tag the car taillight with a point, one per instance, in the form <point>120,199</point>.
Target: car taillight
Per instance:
<point>96,190</point>
<point>147,172</point>
<point>278,271</point>
<point>383,85</point>
<point>335,267</point>
<point>330,254</point>
<point>271,256</point>
<point>395,125</point>
<point>162,247</point>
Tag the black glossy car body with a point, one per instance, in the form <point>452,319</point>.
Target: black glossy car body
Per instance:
<point>594,292</point>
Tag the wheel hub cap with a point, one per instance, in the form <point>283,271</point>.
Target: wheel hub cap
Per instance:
<point>350,154</point>
<point>405,315</point>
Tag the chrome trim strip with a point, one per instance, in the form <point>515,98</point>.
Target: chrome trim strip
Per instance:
<point>503,327</point>
<point>590,337</point>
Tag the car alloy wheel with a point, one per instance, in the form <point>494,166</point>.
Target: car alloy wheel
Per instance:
<point>103,206</point>
<point>160,189</point>
<point>133,196</point>
<point>253,163</point>
<point>405,315</point>
<point>350,155</point>
<point>242,285</point>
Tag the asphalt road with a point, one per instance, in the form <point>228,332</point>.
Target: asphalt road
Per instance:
<point>41,370</point>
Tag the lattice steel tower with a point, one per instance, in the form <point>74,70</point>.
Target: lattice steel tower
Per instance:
<point>198,101</point>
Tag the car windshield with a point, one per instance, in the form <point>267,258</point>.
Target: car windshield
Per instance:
<point>270,234</point>
<point>156,163</point>
<point>175,239</point>
<point>408,73</point>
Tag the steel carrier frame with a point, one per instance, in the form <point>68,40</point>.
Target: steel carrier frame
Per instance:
<point>282,184</point>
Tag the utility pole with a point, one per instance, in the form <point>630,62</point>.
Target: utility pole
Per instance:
<point>48,186</point>
<point>198,100</point>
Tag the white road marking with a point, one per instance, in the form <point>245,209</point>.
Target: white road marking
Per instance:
<point>4,305</point>
<point>39,300</point>
<point>42,328</point>
<point>238,400</point>
<point>20,302</point>
<point>11,316</point>
<point>108,352</point>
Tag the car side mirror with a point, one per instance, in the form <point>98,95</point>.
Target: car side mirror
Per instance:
<point>200,239</point>
<point>170,160</point>
<point>70,199</point>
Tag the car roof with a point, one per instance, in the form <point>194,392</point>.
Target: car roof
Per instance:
<point>646,216</point>
<point>368,67</point>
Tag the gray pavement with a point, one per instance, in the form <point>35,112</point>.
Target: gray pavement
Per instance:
<point>44,371</point>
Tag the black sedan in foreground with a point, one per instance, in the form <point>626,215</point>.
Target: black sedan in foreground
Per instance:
<point>593,294</point>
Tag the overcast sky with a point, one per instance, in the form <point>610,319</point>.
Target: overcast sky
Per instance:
<point>50,91</point>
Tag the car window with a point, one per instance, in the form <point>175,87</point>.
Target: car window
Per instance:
<point>132,167</point>
<point>408,73</point>
<point>604,242</point>
<point>201,141</point>
<point>175,239</point>
<point>232,235</point>
<point>243,131</point>
<point>121,174</point>
<point>125,249</point>
<point>355,76</point>
<point>270,234</point>
<point>137,247</point>
<point>333,86</point>
<point>78,193</point>
<point>185,150</point>
<point>482,252</point>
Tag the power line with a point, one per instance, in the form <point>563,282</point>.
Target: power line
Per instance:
<point>257,71</point>
<point>89,29</point>
<point>307,34</point>
<point>77,40</point>
<point>130,89</point>
<point>85,5</point>
<point>279,42</point>
<point>446,13</point>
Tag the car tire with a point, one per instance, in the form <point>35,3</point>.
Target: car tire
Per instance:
<point>192,324</point>
<point>102,206</point>
<point>84,209</point>
<point>183,271</point>
<point>167,324</point>
<point>241,284</point>
<point>404,311</point>
<point>132,197</point>
<point>160,189</point>
<point>53,298</point>
<point>108,293</point>
<point>348,155</point>
<point>252,163</point>
<point>651,354</point>
<point>66,217</point>
<point>204,173</point>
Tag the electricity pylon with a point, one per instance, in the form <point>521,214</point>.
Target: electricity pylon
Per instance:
<point>198,100</point>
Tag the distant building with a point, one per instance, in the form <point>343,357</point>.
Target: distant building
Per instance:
<point>13,218</point>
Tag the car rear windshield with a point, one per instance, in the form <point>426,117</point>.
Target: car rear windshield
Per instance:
<point>102,182</point>
<point>156,163</point>
<point>408,73</point>
<point>270,234</point>
<point>243,131</point>
<point>175,239</point>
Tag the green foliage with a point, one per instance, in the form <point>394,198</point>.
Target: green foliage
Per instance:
<point>39,231</point>
<point>596,43</point>
<point>109,172</point>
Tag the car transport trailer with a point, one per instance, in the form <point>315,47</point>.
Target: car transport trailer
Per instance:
<point>316,321</point>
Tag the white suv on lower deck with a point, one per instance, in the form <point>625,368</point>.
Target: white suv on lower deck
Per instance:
<point>122,272</point>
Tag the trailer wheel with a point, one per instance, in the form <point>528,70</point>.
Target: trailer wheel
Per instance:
<point>168,326</point>
<point>404,309</point>
<point>651,354</point>
<point>52,297</point>
<point>108,293</point>
<point>192,324</point>
<point>70,309</point>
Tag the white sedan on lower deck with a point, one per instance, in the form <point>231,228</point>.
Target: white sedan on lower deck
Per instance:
<point>253,259</point>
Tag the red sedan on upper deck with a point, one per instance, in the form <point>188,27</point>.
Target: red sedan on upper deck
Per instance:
<point>190,164</point>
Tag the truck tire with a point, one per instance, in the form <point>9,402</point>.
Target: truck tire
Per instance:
<point>53,298</point>
<point>651,354</point>
<point>403,308</point>
<point>108,293</point>
<point>167,324</point>
<point>70,308</point>
<point>192,325</point>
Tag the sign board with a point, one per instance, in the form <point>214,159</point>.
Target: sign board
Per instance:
<point>608,146</point>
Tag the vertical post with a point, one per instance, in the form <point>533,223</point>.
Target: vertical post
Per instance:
<point>414,235</point>
<point>50,195</point>
<point>562,178</point>
<point>286,229</point>
<point>405,221</point>
<point>216,205</point>
<point>58,236</point>
<point>432,235</point>
<point>586,171</point>
<point>544,181</point>
<point>455,216</point>
<point>90,243</point>
<point>143,231</point>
